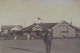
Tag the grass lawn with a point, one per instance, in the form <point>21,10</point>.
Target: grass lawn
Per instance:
<point>37,46</point>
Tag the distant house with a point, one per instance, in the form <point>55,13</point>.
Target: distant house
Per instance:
<point>37,29</point>
<point>61,30</point>
<point>7,29</point>
<point>64,29</point>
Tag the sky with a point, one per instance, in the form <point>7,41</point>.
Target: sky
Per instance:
<point>25,12</point>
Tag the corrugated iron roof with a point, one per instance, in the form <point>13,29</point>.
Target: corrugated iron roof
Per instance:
<point>45,26</point>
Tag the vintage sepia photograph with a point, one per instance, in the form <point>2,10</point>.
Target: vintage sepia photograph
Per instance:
<point>39,26</point>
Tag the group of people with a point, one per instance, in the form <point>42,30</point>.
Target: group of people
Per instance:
<point>30,36</point>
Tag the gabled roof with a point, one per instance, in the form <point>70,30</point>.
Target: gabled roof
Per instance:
<point>76,28</point>
<point>45,26</point>
<point>16,28</point>
<point>69,24</point>
<point>9,27</point>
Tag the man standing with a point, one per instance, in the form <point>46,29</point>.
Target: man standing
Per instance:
<point>48,40</point>
<point>28,36</point>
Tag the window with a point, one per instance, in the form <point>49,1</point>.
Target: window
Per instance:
<point>64,29</point>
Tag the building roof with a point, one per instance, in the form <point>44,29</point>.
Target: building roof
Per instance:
<point>69,24</point>
<point>76,28</point>
<point>8,27</point>
<point>45,26</point>
<point>16,28</point>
